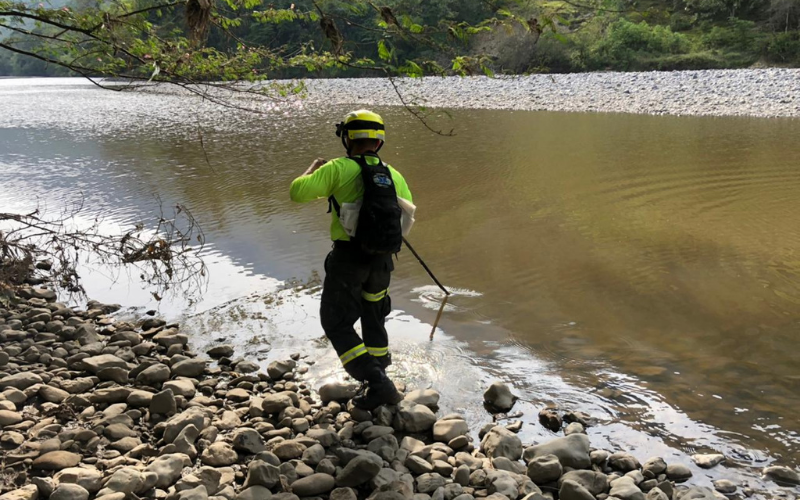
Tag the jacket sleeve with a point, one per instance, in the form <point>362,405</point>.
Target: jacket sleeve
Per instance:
<point>320,184</point>
<point>401,186</point>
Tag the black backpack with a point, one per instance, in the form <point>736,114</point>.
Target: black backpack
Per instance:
<point>379,230</point>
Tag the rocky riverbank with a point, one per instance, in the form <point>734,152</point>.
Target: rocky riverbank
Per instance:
<point>769,92</point>
<point>95,407</point>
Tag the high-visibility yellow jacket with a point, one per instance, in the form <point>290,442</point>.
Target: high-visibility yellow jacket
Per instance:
<point>340,178</point>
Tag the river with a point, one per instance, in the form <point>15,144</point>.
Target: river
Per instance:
<point>643,269</point>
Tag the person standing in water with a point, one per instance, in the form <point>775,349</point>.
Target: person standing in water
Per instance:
<point>366,230</point>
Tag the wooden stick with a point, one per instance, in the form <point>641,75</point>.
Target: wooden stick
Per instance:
<point>430,273</point>
<point>438,316</point>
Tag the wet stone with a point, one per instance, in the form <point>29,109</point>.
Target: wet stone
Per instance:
<point>725,486</point>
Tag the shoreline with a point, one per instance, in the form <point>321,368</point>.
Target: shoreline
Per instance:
<point>764,93</point>
<point>93,407</point>
<point>747,93</point>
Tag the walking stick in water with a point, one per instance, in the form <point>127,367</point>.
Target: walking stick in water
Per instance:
<point>446,293</point>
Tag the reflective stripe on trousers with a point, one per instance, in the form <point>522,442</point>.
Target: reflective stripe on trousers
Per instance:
<point>375,297</point>
<point>352,354</point>
<point>378,351</point>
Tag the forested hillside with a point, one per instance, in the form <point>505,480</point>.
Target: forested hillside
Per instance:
<point>576,35</point>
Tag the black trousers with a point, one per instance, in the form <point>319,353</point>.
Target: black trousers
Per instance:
<point>357,286</point>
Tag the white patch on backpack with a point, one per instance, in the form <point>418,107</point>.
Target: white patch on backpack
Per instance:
<point>382,180</point>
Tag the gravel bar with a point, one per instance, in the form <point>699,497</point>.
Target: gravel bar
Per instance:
<point>750,92</point>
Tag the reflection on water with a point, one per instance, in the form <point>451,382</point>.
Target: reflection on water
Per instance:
<point>644,269</point>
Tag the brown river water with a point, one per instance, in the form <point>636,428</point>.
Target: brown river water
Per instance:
<point>643,269</point>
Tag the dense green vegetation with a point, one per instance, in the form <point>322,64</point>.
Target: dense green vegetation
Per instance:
<point>247,40</point>
<point>680,34</point>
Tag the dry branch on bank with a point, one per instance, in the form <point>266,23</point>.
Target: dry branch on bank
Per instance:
<point>165,255</point>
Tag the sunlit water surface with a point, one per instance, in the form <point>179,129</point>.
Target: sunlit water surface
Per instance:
<point>643,269</point>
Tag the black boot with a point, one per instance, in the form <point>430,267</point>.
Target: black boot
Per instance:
<point>385,361</point>
<point>380,391</point>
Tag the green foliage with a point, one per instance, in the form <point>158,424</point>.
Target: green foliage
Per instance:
<point>724,9</point>
<point>784,48</point>
<point>252,40</point>
<point>737,35</point>
<point>625,45</point>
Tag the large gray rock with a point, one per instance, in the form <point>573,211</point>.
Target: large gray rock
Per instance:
<point>501,442</point>
<point>289,450</point>
<point>570,490</point>
<point>657,494</point>
<point>114,374</point>
<point>695,493</point>
<point>254,493</point>
<point>163,403</point>
<point>678,472</point>
<point>27,492</point>
<point>376,431</point>
<point>337,391</point>
<point>221,351</point>
<point>219,454</point>
<point>503,483</point>
<point>428,483</point>
<point>96,363</point>
<point>572,451</point>
<point>87,334</point>
<point>247,366</point>
<point>707,461</point>
<point>623,462</point>
<point>129,480</point>
<point>260,473</point>
<point>20,381</point>
<point>413,418</point>
<point>8,417</point>
<point>314,455</point>
<point>68,491</point>
<point>53,394</point>
<point>358,471</point>
<point>168,468</point>
<point>153,375</point>
<point>385,447</point>
<point>343,494</point>
<point>116,432</point>
<point>445,431</point>
<point>193,416</point>
<point>325,437</point>
<point>184,443</point>
<point>417,465</point>
<point>498,397</point>
<point>276,403</point>
<point>503,463</point>
<point>57,460</point>
<point>189,368</point>
<point>181,387</point>
<point>277,369</point>
<point>313,485</point>
<point>544,469</point>
<point>426,397</point>
<point>595,482</point>
<point>89,478</point>
<point>197,493</point>
<point>139,399</point>
<point>724,486</point>
<point>655,465</point>
<point>625,488</point>
<point>782,475</point>
<point>248,440</point>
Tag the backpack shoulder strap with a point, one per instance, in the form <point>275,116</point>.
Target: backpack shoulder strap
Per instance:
<point>334,205</point>
<point>362,160</point>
